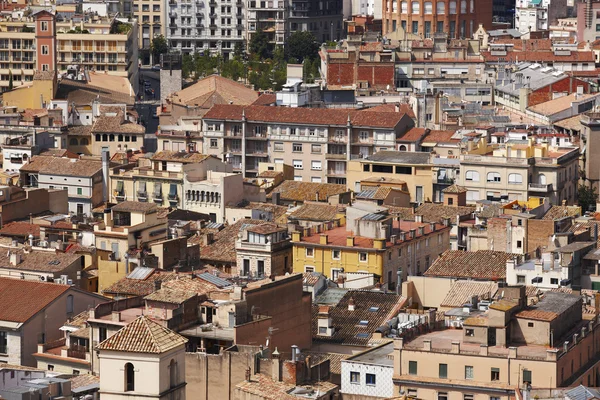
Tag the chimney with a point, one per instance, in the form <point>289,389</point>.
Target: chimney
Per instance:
<point>31,240</point>
<point>275,198</point>
<point>432,226</point>
<point>115,316</point>
<point>455,348</point>
<point>15,258</point>
<point>316,196</point>
<point>575,337</point>
<point>483,350</point>
<point>294,353</point>
<point>351,305</point>
<point>397,107</point>
<point>412,233</point>
<point>350,241</point>
<point>512,352</point>
<point>418,218</point>
<point>566,347</point>
<point>107,217</point>
<point>105,163</point>
<point>421,230</point>
<point>427,344</point>
<point>323,239</point>
<point>583,332</point>
<point>157,284</point>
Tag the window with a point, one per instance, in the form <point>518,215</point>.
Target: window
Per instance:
<point>70,304</point>
<point>469,372</point>
<point>335,274</point>
<point>50,367</point>
<point>362,257</point>
<point>412,368</point>
<point>493,177</point>
<point>322,330</point>
<point>293,132</point>
<point>441,8</point>
<point>415,7</point>
<point>335,254</point>
<point>315,165</point>
<point>354,377</point>
<point>129,378</point>
<point>527,376</point>
<point>412,392</point>
<point>297,164</point>
<point>309,269</point>
<point>443,371</point>
<point>519,244</point>
<point>278,146</point>
<point>521,279</point>
<point>45,50</point>
<point>554,281</point>
<point>310,252</point>
<point>76,372</point>
<point>3,342</point>
<point>297,147</point>
<point>101,330</point>
<point>213,143</point>
<point>44,25</point>
<point>472,176</point>
<point>515,179</point>
<point>442,396</point>
<point>370,379</point>
<point>428,7</point>
<point>530,324</point>
<point>469,332</point>
<point>315,148</point>
<point>467,396</point>
<point>495,374</point>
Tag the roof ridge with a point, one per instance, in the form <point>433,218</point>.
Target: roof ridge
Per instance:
<point>151,333</point>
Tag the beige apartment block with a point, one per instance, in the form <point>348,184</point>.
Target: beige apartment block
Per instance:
<point>518,169</point>
<point>152,19</point>
<point>318,143</point>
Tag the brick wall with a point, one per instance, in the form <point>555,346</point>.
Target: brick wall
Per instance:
<point>568,85</point>
<point>496,228</point>
<point>538,233</point>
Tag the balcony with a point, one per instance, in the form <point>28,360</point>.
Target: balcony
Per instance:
<point>256,136</point>
<point>540,187</point>
<point>173,14</point>
<point>212,3</point>
<point>336,172</point>
<point>142,196</point>
<point>172,24</point>
<point>329,156</point>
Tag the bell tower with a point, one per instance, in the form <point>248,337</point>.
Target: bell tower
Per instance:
<point>45,41</point>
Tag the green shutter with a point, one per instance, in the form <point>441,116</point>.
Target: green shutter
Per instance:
<point>526,376</point>
<point>412,367</point>
<point>595,285</point>
<point>443,371</point>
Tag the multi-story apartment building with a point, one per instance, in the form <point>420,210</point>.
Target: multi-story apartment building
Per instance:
<point>538,15</point>
<point>458,18</point>
<point>504,346</point>
<point>151,15</point>
<point>263,250</point>
<point>588,20</point>
<point>279,18</point>
<point>92,43</point>
<point>318,143</point>
<point>215,26</point>
<point>590,142</point>
<point>517,169</point>
<point>373,243</point>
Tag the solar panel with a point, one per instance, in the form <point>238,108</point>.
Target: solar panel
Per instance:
<point>215,280</point>
<point>140,273</point>
<point>362,335</point>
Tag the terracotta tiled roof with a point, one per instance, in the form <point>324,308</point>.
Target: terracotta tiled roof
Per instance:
<point>310,278</point>
<point>223,247</point>
<point>135,206</point>
<point>537,315</point>
<point>461,292</point>
<point>22,299</point>
<point>481,265</point>
<point>265,99</point>
<point>440,137</point>
<point>22,229</point>
<point>187,284</point>
<point>307,191</point>
<point>373,307</point>
<point>559,104</point>
<point>44,75</point>
<point>82,94</point>
<point>266,228</point>
<point>455,189</point>
<point>317,116</point>
<point>138,287</point>
<point>62,166</point>
<point>116,124</point>
<point>315,212</point>
<point>270,174</point>
<point>264,387</point>
<point>143,335</point>
<point>168,295</point>
<point>178,156</point>
<point>413,135</point>
<point>335,360</point>
<point>82,380</point>
<point>406,213</point>
<point>83,130</point>
<point>39,260</point>
<point>404,108</point>
<point>432,212</point>
<point>557,212</point>
<point>214,89</point>
<point>58,153</point>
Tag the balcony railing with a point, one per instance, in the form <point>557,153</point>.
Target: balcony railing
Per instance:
<point>540,187</point>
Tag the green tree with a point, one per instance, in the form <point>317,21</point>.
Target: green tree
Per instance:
<point>259,45</point>
<point>187,65</point>
<point>10,80</point>
<point>310,69</point>
<point>301,45</point>
<point>158,46</point>
<point>587,198</point>
<point>238,50</point>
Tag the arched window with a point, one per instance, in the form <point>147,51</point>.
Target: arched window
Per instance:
<point>416,7</point>
<point>404,7</point>
<point>452,6</point>
<point>441,8</point>
<point>515,178</point>
<point>472,176</point>
<point>463,6</point>
<point>84,142</point>
<point>129,378</point>
<point>202,196</point>
<point>212,197</point>
<point>402,148</point>
<point>105,138</point>
<point>70,304</point>
<point>98,137</point>
<point>472,6</point>
<point>216,197</point>
<point>542,179</point>
<point>493,177</point>
<point>173,373</point>
<point>111,138</point>
<point>73,142</point>
<point>120,138</point>
<point>428,6</point>
<point>188,195</point>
